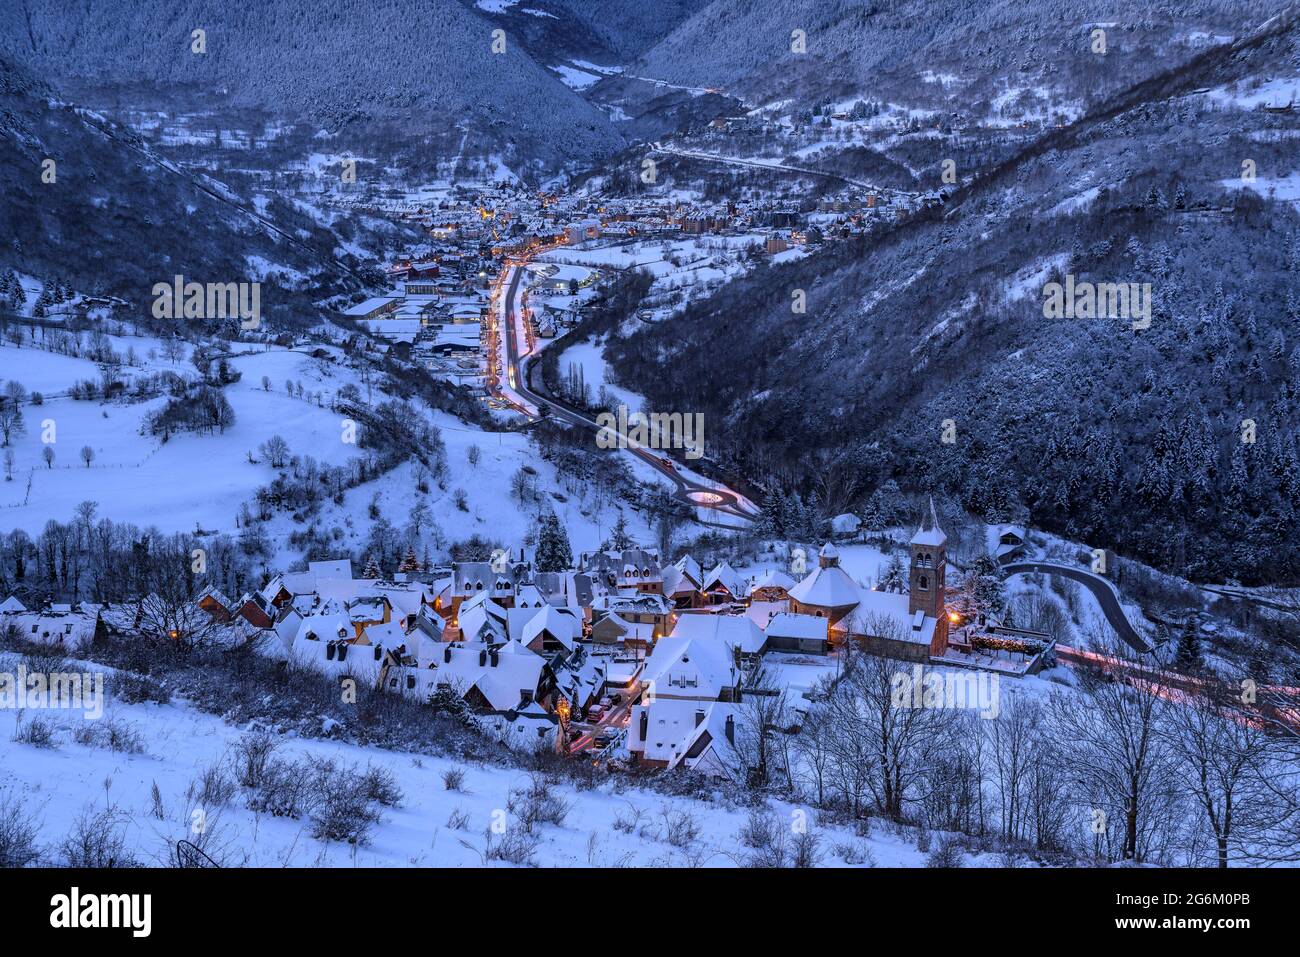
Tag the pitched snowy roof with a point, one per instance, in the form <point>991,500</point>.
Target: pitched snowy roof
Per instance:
<point>690,667</point>
<point>689,567</point>
<point>826,587</point>
<point>736,631</point>
<point>724,575</point>
<point>893,609</point>
<point>500,678</point>
<point>559,624</point>
<point>772,578</point>
<point>11,605</point>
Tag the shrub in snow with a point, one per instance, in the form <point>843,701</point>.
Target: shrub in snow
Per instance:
<point>380,786</point>
<point>516,846</point>
<point>17,834</point>
<point>857,853</point>
<point>923,840</point>
<point>761,830</point>
<point>947,853</point>
<point>458,820</point>
<point>342,814</point>
<point>805,850</point>
<point>37,731</point>
<point>97,839</point>
<point>212,788</point>
<point>676,828</point>
<point>109,733</point>
<point>341,808</point>
<point>453,779</point>
<point>252,754</point>
<point>538,803</point>
<point>133,689</point>
<point>284,790</point>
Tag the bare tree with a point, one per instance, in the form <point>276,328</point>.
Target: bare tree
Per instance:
<point>1014,747</point>
<point>87,455</point>
<point>11,411</point>
<point>762,715</point>
<point>275,450</point>
<point>882,748</point>
<point>1119,760</point>
<point>1223,754</point>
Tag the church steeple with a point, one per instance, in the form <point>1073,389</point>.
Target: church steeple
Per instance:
<point>926,577</point>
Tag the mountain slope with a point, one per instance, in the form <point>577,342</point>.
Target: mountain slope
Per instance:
<point>430,65</point>
<point>1131,439</point>
<point>936,50</point>
<point>116,220</point>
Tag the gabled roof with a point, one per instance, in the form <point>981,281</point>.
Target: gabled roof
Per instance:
<point>709,662</point>
<point>772,578</point>
<point>483,600</point>
<point>724,575</point>
<point>11,605</point>
<point>67,629</point>
<point>736,631</point>
<point>499,677</point>
<point>561,625</point>
<point>324,628</point>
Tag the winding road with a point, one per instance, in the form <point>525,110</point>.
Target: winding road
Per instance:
<point>1101,589</point>
<point>692,492</point>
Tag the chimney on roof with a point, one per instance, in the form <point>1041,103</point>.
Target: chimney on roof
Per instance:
<point>730,730</point>
<point>495,657</point>
<point>446,655</point>
<point>482,658</point>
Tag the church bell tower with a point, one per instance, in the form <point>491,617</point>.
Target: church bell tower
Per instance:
<point>925,591</point>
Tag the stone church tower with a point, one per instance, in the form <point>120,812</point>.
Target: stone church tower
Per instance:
<point>925,591</point>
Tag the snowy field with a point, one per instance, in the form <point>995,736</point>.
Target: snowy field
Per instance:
<point>201,481</point>
<point>57,785</point>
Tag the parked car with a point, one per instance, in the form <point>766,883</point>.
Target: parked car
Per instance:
<point>595,713</point>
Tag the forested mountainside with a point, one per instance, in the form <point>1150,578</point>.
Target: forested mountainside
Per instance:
<point>629,27</point>
<point>1135,439</point>
<point>429,63</point>
<point>111,218</point>
<point>966,54</point>
<point>606,32</point>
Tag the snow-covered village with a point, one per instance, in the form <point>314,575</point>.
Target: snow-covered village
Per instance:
<point>764,435</point>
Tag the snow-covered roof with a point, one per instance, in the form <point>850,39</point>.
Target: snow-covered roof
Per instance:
<point>560,624</point>
<point>726,576</point>
<point>684,667</point>
<point>689,567</point>
<point>845,523</point>
<point>788,624</point>
<point>501,677</point>
<point>894,609</point>
<point>736,631</point>
<point>11,605</point>
<point>70,630</point>
<point>826,586</point>
<point>772,578</point>
<point>930,533</point>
